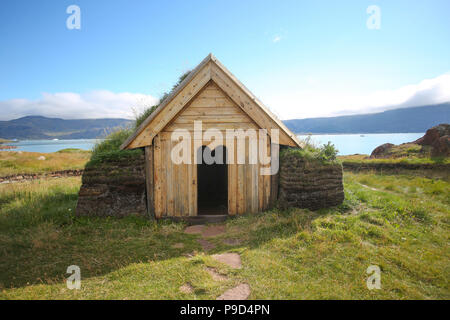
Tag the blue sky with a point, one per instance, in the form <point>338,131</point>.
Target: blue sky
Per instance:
<point>301,58</point>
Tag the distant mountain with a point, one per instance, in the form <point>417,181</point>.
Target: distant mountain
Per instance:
<point>415,119</point>
<point>37,127</point>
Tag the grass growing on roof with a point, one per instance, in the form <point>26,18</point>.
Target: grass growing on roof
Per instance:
<point>109,149</point>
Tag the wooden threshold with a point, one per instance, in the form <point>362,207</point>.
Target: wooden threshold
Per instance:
<point>202,219</point>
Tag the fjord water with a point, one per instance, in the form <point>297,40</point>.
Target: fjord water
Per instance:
<point>47,146</point>
<point>362,143</point>
<point>345,143</point>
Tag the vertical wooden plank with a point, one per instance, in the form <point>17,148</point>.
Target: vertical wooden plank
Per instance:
<point>267,182</point>
<point>190,187</point>
<point>184,190</point>
<point>241,206</point>
<point>157,176</point>
<point>164,171</point>
<point>273,189</point>
<point>248,178</point>
<point>232,180</point>
<point>274,183</point>
<point>176,189</point>
<point>254,186</point>
<point>149,181</point>
<point>194,183</point>
<point>260,189</point>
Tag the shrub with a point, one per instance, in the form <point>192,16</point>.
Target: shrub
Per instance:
<point>328,151</point>
<point>112,142</point>
<point>144,115</point>
<point>325,153</point>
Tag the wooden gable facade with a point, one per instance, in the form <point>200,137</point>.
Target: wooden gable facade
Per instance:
<point>212,95</point>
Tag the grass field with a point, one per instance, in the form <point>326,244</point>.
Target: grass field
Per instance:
<point>12,162</point>
<point>399,223</point>
<point>363,158</point>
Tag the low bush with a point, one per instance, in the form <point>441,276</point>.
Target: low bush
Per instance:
<point>326,153</point>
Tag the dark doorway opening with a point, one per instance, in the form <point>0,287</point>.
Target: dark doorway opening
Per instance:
<point>212,179</point>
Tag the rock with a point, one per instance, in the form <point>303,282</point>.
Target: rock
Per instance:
<point>241,292</point>
<point>231,259</point>
<point>206,245</point>
<point>434,134</point>
<point>213,231</point>
<point>380,151</point>
<point>186,288</point>
<point>441,147</point>
<point>215,275</point>
<point>41,158</point>
<point>195,229</point>
<point>438,137</point>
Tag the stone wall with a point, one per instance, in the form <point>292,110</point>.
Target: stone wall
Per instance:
<point>114,187</point>
<point>33,176</point>
<point>309,184</point>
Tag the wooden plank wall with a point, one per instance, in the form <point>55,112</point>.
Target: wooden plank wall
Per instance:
<point>149,181</point>
<point>176,185</point>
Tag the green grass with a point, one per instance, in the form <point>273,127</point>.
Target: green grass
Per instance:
<point>16,163</point>
<point>407,159</point>
<point>4,141</point>
<point>399,223</point>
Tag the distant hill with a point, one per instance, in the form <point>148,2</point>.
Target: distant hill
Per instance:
<point>37,127</point>
<point>415,119</point>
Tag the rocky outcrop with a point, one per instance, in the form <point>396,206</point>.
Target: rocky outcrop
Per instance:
<point>438,138</point>
<point>381,151</point>
<point>113,187</point>
<point>309,184</point>
<point>435,143</point>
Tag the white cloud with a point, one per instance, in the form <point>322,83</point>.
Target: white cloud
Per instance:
<point>319,102</point>
<point>68,105</point>
<point>276,39</point>
<point>292,102</point>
